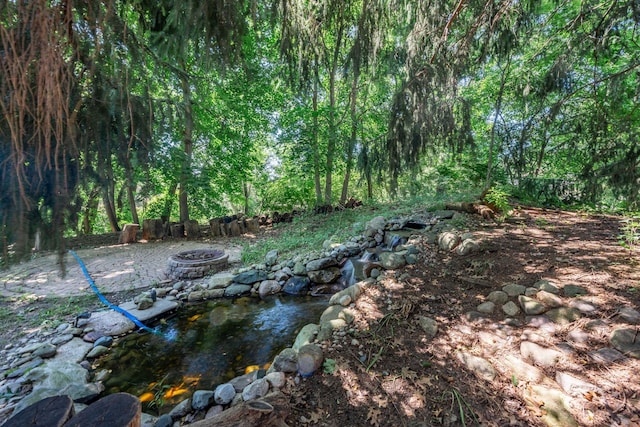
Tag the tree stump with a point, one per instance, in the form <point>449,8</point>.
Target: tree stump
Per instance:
<point>152,229</point>
<point>192,229</point>
<point>253,225</point>
<point>49,412</point>
<point>115,410</point>
<point>214,224</point>
<point>233,229</point>
<point>177,230</point>
<point>268,411</point>
<point>129,233</point>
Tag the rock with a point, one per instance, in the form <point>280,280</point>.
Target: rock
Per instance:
<point>92,336</point>
<point>444,214</point>
<point>549,299</point>
<point>555,407</point>
<point>629,315</point>
<point>164,420</point>
<point>45,351</point>
<point>392,260</point>
<point>448,240</point>
<point>510,308</point>
<point>97,351</point>
<point>498,297</point>
<point>626,341</point>
<point>61,339</point>
<point>250,277</point>
<point>104,341</point>
<point>221,280</point>
<point>521,370</point>
<point>606,356</point>
<point>336,312</point>
<point>531,306</point>
<point>239,383</point>
<point>202,399</point>
<point>374,225</point>
<point>574,290</point>
<point>564,315</point>
<point>545,285</point>
<point>237,289</point>
<point>299,269</point>
<point>74,350</point>
<point>310,358</point>
<point>255,390</point>
<point>585,307</point>
<point>540,355</point>
<point>321,264</point>
<point>276,379</point>
<point>271,258</point>
<point>269,287</point>
<point>181,409</point>
<point>306,335</point>
<point>479,366</point>
<point>428,325</point>
<point>224,394</point>
<point>574,386</point>
<point>160,307</point>
<point>297,285</point>
<point>486,307</point>
<point>468,246</point>
<point>286,361</point>
<point>327,275</point>
<point>144,303</point>
<point>513,289</point>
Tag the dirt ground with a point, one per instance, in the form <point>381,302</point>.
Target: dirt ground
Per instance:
<point>384,372</point>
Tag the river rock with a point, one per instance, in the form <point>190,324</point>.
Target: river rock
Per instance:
<point>269,287</point>
<point>276,379</point>
<point>626,341</point>
<point>479,366</point>
<point>306,335</point>
<point>255,390</point>
<point>97,351</point>
<point>160,307</point>
<point>468,246</point>
<point>250,277</point>
<point>73,351</point>
<point>374,225</point>
<point>392,260</point>
<point>513,289</point>
<point>531,306</point>
<point>202,399</point>
<point>45,351</point>
<point>321,264</point>
<point>297,285</point>
<point>286,361</point>
<point>327,275</point>
<point>236,290</point>
<point>181,409</point>
<point>448,240</point>
<point>224,394</point>
<point>353,292</point>
<point>271,258</point>
<point>310,358</point>
<point>428,325</point>
<point>239,383</point>
<point>498,297</point>
<point>221,280</point>
<point>104,341</point>
<point>540,355</point>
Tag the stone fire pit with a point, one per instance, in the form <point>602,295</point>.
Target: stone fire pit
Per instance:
<point>196,263</point>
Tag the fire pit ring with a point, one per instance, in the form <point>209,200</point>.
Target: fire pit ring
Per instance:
<point>196,263</point>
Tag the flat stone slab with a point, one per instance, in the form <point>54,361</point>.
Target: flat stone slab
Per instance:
<point>626,340</point>
<point>158,308</point>
<point>110,322</point>
<point>73,351</point>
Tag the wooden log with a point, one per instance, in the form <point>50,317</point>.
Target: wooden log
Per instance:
<point>177,230</point>
<point>49,412</point>
<point>473,208</point>
<point>115,410</point>
<point>269,411</point>
<point>233,229</point>
<point>214,225</point>
<point>192,229</point>
<point>253,225</point>
<point>152,229</point>
<point>129,233</point>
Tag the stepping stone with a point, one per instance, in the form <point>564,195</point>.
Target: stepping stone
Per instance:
<point>521,370</point>
<point>629,315</point>
<point>513,289</point>
<point>549,299</point>
<point>531,306</point>
<point>538,354</point>
<point>554,410</point>
<point>564,315</point>
<point>574,386</point>
<point>574,291</point>
<point>115,410</point>
<point>606,356</point>
<point>627,341</point>
<point>479,366</point>
<point>52,411</point>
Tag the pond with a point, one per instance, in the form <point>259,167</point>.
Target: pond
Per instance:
<point>205,345</point>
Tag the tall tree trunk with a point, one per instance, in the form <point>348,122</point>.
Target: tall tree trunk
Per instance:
<point>315,138</point>
<point>131,185</point>
<point>187,146</point>
<point>498,110</point>
<point>245,190</point>
<point>90,211</point>
<point>352,138</point>
<point>109,208</point>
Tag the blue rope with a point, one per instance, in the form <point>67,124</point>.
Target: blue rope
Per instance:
<point>120,310</point>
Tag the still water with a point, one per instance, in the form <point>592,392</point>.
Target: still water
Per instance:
<point>205,345</point>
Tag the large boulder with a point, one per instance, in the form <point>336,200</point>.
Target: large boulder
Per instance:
<point>297,285</point>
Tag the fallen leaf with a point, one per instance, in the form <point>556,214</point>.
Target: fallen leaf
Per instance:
<point>373,416</point>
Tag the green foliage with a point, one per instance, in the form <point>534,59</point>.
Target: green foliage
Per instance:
<point>329,366</point>
<point>630,232</point>
<point>499,199</point>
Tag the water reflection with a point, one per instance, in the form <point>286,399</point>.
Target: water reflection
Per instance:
<point>209,344</point>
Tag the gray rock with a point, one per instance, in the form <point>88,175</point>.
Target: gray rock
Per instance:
<point>181,409</point>
<point>250,277</point>
<point>297,285</point>
<point>160,307</point>
<point>255,390</point>
<point>486,307</point>
<point>213,411</point>
<point>299,269</point>
<point>545,285</point>
<point>574,290</point>
<point>606,356</point>
<point>468,246</point>
<point>629,315</point>
<point>45,351</point>
<point>540,355</point>
<point>164,420</point>
<point>585,307</point>
<point>564,315</point>
<point>310,358</point>
<point>444,214</point>
<point>321,264</point>
<point>276,379</point>
<point>531,306</point>
<point>271,258</point>
<point>479,366</point>
<point>144,303</point>
<point>202,399</point>
<point>428,325</point>
<point>549,299</point>
<point>306,335</point>
<point>334,312</point>
<point>221,280</point>
<point>61,339</point>
<point>97,351</point>
<point>374,225</point>
<point>74,350</point>
<point>327,275</point>
<point>448,240</point>
<point>269,287</point>
<point>510,308</point>
<point>498,297</point>
<point>392,260</point>
<point>513,289</point>
<point>104,341</point>
<point>236,290</point>
<point>626,341</point>
<point>286,361</point>
<point>556,405</point>
<point>352,291</point>
<point>574,386</point>
<point>239,383</point>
